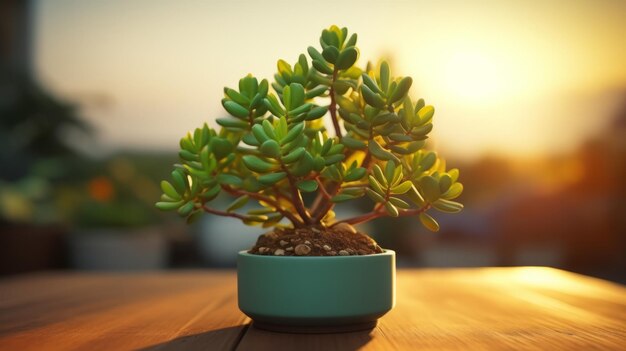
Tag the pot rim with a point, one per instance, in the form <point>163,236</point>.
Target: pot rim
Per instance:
<point>386,252</point>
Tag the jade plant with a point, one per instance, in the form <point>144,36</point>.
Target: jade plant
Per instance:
<point>276,151</point>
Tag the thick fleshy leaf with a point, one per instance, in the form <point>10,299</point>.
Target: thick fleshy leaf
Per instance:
<point>307,186</point>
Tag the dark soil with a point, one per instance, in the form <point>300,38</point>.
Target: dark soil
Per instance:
<point>341,240</point>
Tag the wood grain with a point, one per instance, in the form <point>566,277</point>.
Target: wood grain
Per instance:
<point>120,312</point>
<point>462,309</point>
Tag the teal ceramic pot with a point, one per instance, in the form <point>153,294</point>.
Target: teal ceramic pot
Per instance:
<point>316,294</point>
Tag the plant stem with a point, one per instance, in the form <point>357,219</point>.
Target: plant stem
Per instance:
<point>223,213</point>
<point>325,193</point>
<point>379,212</point>
<point>296,197</point>
<point>320,212</point>
<point>332,108</point>
<point>257,196</point>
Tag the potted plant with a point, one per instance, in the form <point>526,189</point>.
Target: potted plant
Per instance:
<point>115,225</point>
<point>313,272</point>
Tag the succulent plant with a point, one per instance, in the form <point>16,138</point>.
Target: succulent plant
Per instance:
<point>275,150</point>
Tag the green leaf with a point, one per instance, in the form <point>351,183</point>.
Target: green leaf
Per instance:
<point>308,186</point>
<point>347,58</point>
<point>402,188</point>
<point>229,179</point>
<point>186,209</point>
<point>448,206</point>
<point>259,133</point>
<point>248,86</point>
<point>401,90</point>
<point>399,203</point>
<point>221,147</point>
<point>235,109</point>
<point>454,174</point>
<point>430,188</point>
<point>329,160</point>
<point>380,176</point>
<point>351,41</point>
<point>352,143</point>
<point>236,97</point>
<point>178,180</point>
<point>384,76</point>
<point>232,123</point>
<point>272,178</point>
<point>268,128</point>
<point>391,209</point>
<point>455,191</point>
<point>429,222</point>
<point>297,96</point>
<point>428,161</point>
<point>238,203</point>
<point>316,112</point>
<point>444,183</point>
<point>375,184</point>
<point>293,133</point>
<point>426,113</point>
<point>379,152</point>
<point>376,197</point>
<point>322,67</point>
<point>330,54</point>
<point>294,155</point>
<point>169,190</point>
<point>342,198</point>
<point>315,55</point>
<point>372,98</point>
<point>317,91</point>
<point>355,174</point>
<point>256,164</point>
<point>371,83</point>
<point>270,148</point>
<point>416,197</point>
<point>168,206</point>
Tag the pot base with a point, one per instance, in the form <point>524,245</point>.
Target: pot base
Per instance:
<point>296,329</point>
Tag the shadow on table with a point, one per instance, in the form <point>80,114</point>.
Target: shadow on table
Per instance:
<point>251,338</point>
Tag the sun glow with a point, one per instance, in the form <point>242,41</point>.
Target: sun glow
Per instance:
<point>470,76</point>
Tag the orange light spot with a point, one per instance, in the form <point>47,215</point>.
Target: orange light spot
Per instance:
<point>101,189</point>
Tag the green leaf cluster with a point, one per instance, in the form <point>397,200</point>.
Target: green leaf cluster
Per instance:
<point>274,149</point>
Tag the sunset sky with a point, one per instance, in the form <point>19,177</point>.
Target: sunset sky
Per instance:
<point>505,77</point>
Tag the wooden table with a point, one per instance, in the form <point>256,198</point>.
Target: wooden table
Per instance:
<point>462,309</point>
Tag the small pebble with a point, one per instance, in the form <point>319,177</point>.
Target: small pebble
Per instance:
<point>344,253</point>
<point>283,243</point>
<point>263,249</point>
<point>302,250</point>
<point>327,248</point>
<point>290,248</point>
<point>315,230</point>
<point>307,242</point>
<point>279,252</point>
<point>345,227</point>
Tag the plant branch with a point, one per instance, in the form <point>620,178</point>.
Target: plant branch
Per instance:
<point>296,197</point>
<point>325,193</point>
<point>320,212</point>
<point>260,197</point>
<point>380,212</point>
<point>333,106</point>
<point>223,213</point>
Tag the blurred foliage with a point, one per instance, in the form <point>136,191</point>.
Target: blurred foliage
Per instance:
<point>275,147</point>
<point>43,179</point>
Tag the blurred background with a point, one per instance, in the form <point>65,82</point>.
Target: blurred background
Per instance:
<point>94,96</point>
